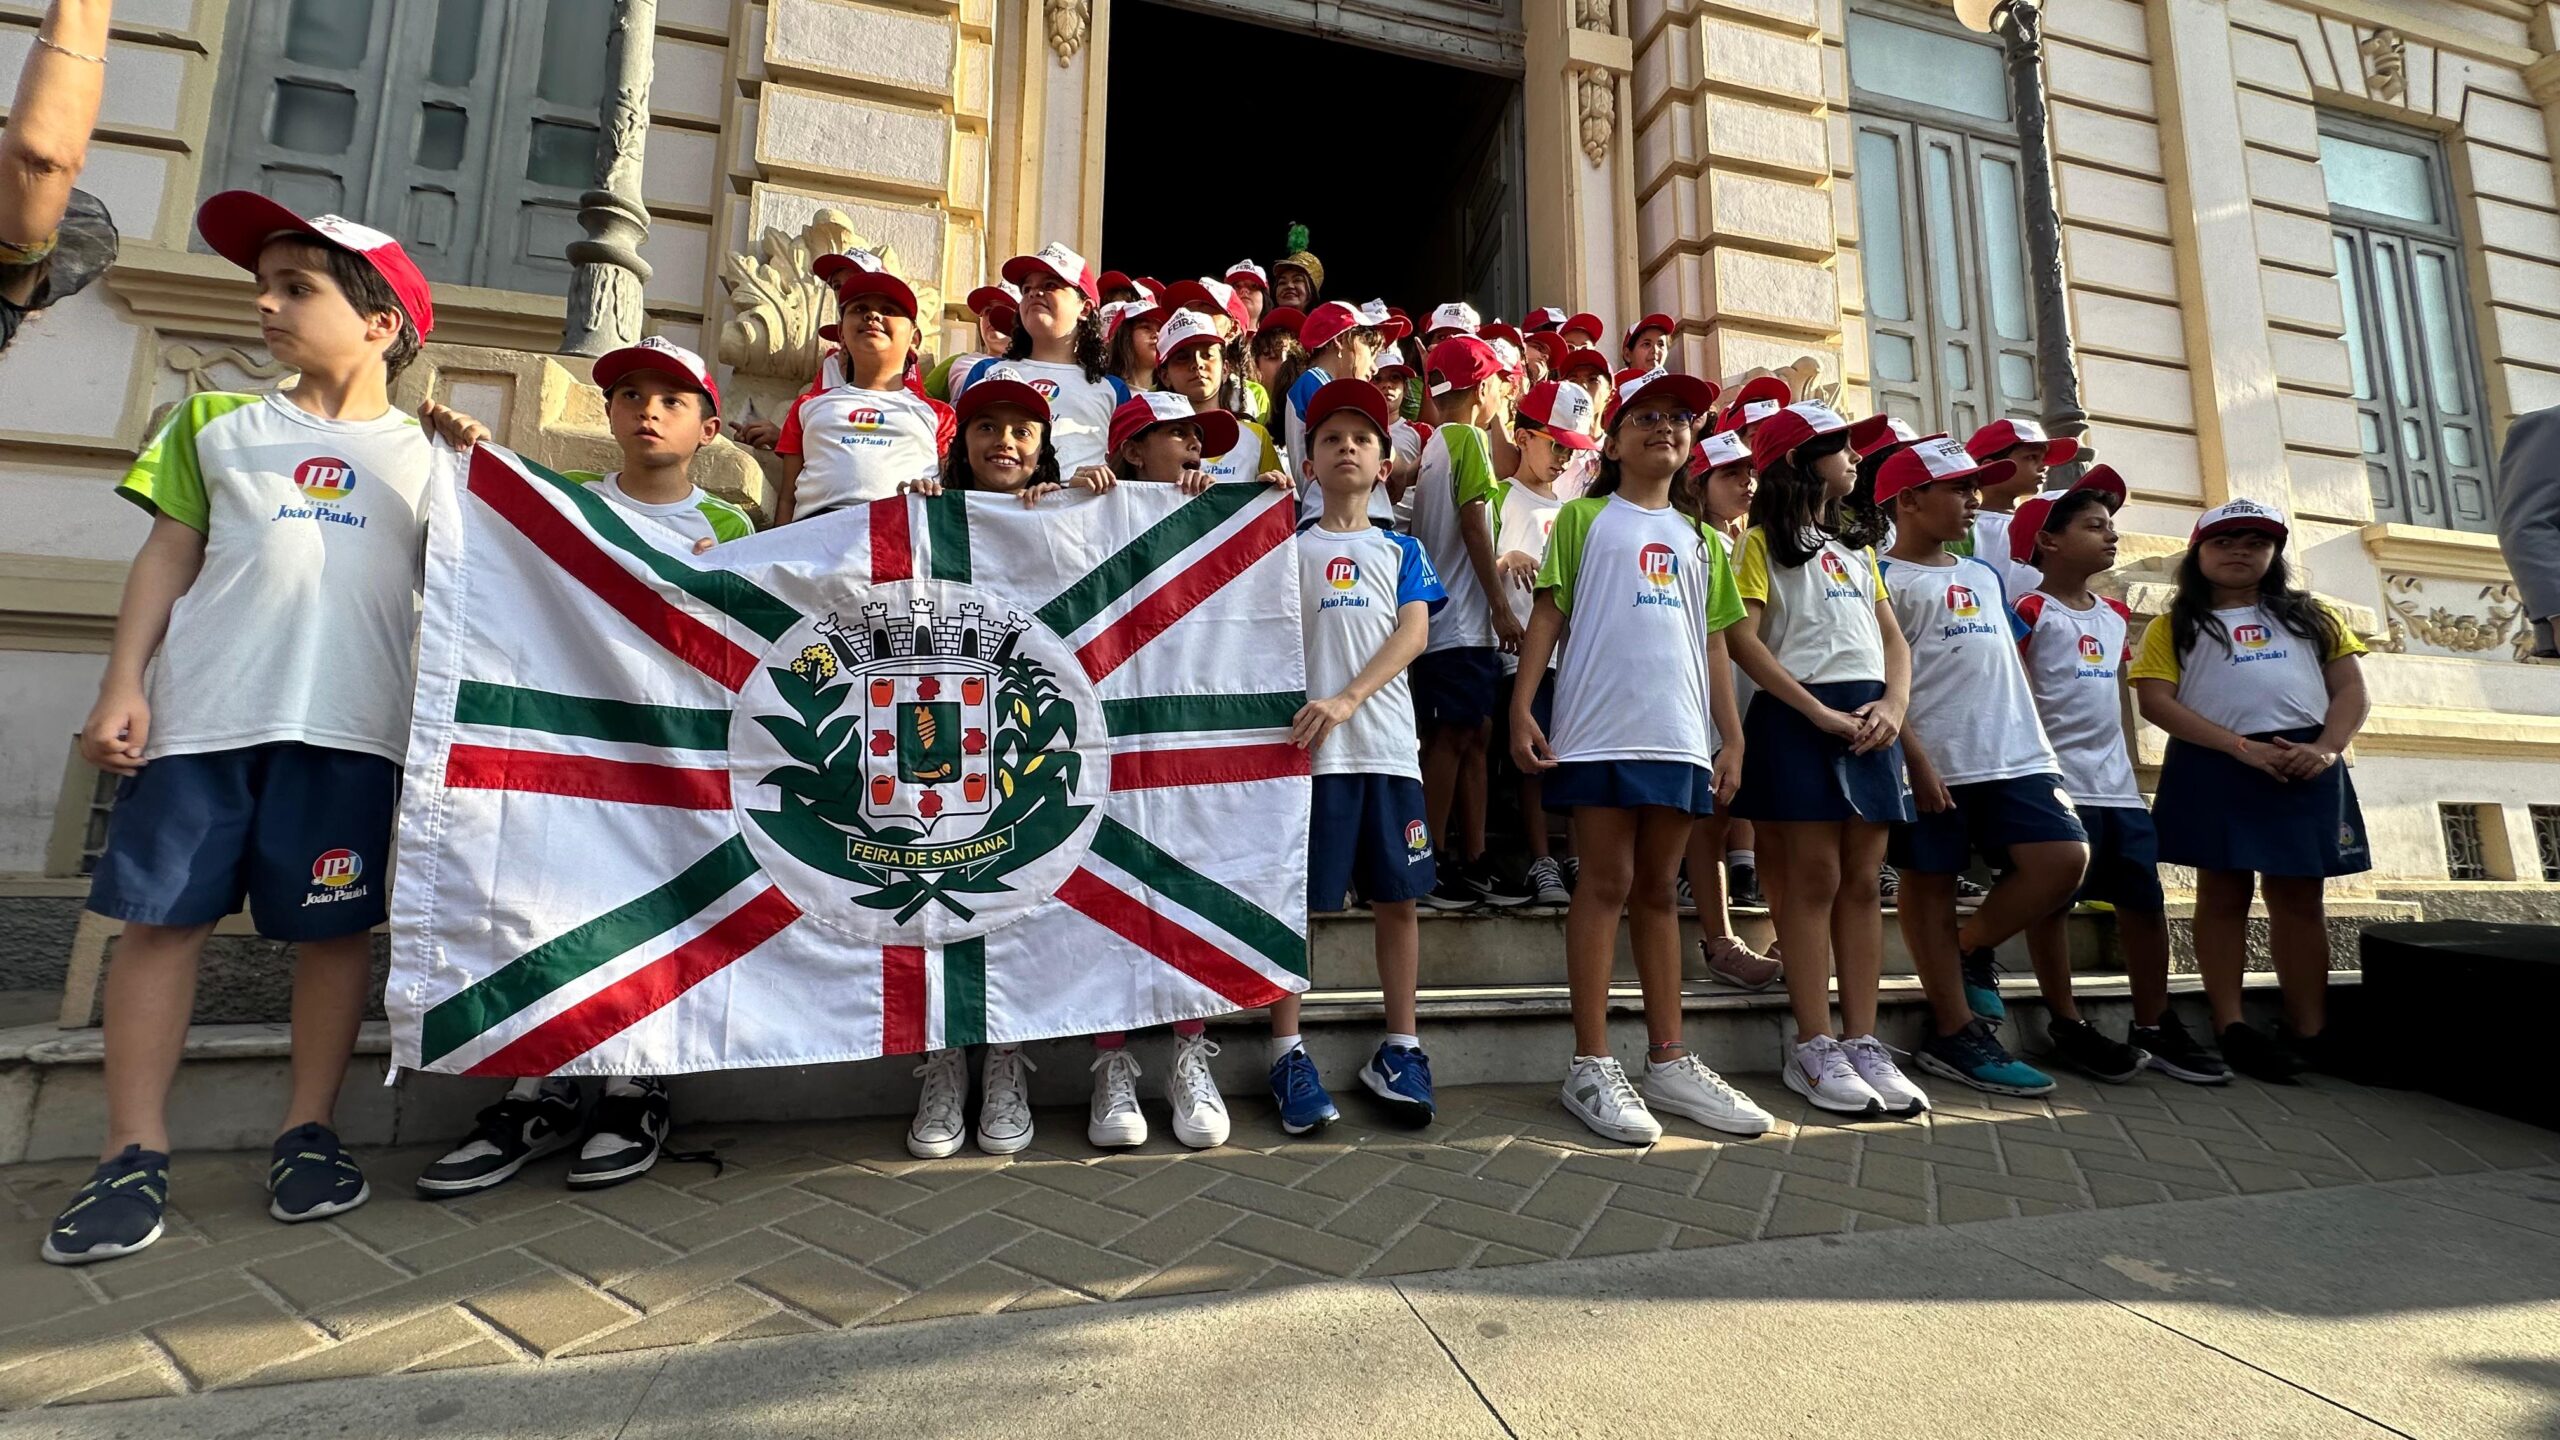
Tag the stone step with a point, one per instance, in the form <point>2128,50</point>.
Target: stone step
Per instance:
<point>235,1078</point>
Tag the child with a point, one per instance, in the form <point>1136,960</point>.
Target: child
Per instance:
<point>1589,369</point>
<point>1367,595</point>
<point>1825,778</point>
<point>1159,438</point>
<point>1004,445</point>
<point>1297,278</point>
<point>1340,344</point>
<point>2073,648</point>
<point>1753,404</point>
<point>1649,597</point>
<point>1222,306</point>
<point>1717,493</point>
<point>1455,318</point>
<point>286,538</point>
<point>1457,680</point>
<point>1551,430</point>
<point>994,307</point>
<point>1191,362</point>
<point>663,406</point>
<point>2257,684</point>
<point>1117,287</point>
<point>1253,285</point>
<point>2024,445</point>
<point>1129,343</point>
<point>1648,344</point>
<point>1982,776</point>
<point>859,441</point>
<point>1582,331</point>
<point>1057,348</point>
<point>1275,352</point>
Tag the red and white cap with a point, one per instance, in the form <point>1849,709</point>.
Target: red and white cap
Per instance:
<point>1461,361</point>
<point>1792,426</point>
<point>1123,312</point>
<point>1656,321</point>
<point>1055,259</point>
<point>1119,280</point>
<point>1142,413</point>
<point>1285,319</point>
<point>1387,320</point>
<point>1586,357</point>
<point>1545,317</point>
<point>1357,395</point>
<point>1880,432</point>
<point>237,224</point>
<point>1391,358</point>
<point>2240,515</point>
<point>1503,330</point>
<point>658,353</point>
<point>1185,330</point>
<point>1584,323</point>
<point>1002,384</point>
<point>1456,315</point>
<point>859,272</point>
<point>1331,320</point>
<point>1719,450</point>
<point>1757,400</point>
<point>1549,344</point>
<point>1932,460</point>
<point>1246,272</point>
<point>1692,393</point>
<point>2033,513</point>
<point>1562,412</point>
<point>988,299</point>
<point>2002,436</point>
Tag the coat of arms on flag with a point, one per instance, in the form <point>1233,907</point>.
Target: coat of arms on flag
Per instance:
<point>912,774</point>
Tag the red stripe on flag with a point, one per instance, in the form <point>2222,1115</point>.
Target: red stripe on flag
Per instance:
<point>893,550</point>
<point>625,782</point>
<point>1209,765</point>
<point>504,490</point>
<point>1156,614</point>
<point>628,1001</point>
<point>1123,915</point>
<point>902,1002</point>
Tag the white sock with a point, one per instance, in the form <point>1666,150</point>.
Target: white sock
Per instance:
<point>1409,1042</point>
<point>528,1088</point>
<point>1281,1045</point>
<point>1741,857</point>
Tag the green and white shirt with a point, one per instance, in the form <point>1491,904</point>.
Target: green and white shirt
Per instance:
<point>300,624</point>
<point>1456,471</point>
<point>1641,590</point>
<point>698,516</point>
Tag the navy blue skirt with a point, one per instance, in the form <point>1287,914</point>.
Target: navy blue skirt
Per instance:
<point>2217,813</point>
<point>1792,771</point>
<point>1629,785</point>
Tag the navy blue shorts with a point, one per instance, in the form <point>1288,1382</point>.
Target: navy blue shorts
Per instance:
<point>2218,813</point>
<point>2124,858</point>
<point>1989,816</point>
<point>303,833</point>
<point>1792,771</point>
<point>1456,687</point>
<point>1629,785</point>
<point>1365,833</point>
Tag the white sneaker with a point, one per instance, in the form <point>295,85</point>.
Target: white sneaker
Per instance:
<point>1873,1060</point>
<point>1199,1113</point>
<point>939,1127</point>
<point>1819,1070</point>
<point>1117,1121</point>
<point>1687,1087</point>
<point>1597,1093</point>
<point>1004,1101</point>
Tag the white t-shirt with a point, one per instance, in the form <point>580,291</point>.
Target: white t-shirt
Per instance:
<point>2268,679</point>
<point>1991,547</point>
<point>1253,457</point>
<point>1522,519</point>
<point>1820,617</point>
<point>857,445</point>
<point>1079,409</point>
<point>300,624</point>
<point>2073,659</point>
<point>1640,590</point>
<point>698,516</point>
<point>1457,471</point>
<point>1970,708</point>
<point>1351,584</point>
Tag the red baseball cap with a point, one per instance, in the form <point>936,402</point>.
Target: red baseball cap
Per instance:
<point>1118,280</point>
<point>238,224</point>
<point>1562,412</point>
<point>1245,272</point>
<point>1792,426</point>
<point>1688,390</point>
<point>1931,460</point>
<point>2240,515</point>
<point>1586,356</point>
<point>1357,395</point>
<point>1880,432</point>
<point>1584,323</point>
<point>1545,317</point>
<point>1185,330</point>
<point>1391,323</point>
<point>2002,436</point>
<point>860,272</point>
<point>1055,259</point>
<point>1758,399</point>
<point>1330,321</point>
<point>1131,312</point>
<point>1549,344</point>
<point>1661,322</point>
<point>1719,450</point>
<point>1287,319</point>
<point>988,299</point>
<point>2035,512</point>
<point>1142,413</point>
<point>1462,361</point>
<point>1001,385</point>
<point>662,355</point>
<point>1502,330</point>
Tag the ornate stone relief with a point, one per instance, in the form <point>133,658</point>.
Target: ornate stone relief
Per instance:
<point>776,305</point>
<point>2385,65</point>
<point>2491,619</point>
<point>1805,382</point>
<point>207,365</point>
<point>1598,93</point>
<point>1068,20</point>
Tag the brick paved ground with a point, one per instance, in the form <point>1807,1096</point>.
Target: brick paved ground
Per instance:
<point>815,1227</point>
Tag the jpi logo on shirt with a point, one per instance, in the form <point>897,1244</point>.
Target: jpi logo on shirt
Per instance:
<point>1048,388</point>
<point>866,418</point>
<point>1963,602</point>
<point>322,479</point>
<point>2093,660</point>
<point>1840,586</point>
<point>1964,607</point>
<point>2251,642</point>
<point>1342,573</point>
<point>1660,567</point>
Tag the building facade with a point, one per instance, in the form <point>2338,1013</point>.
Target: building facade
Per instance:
<point>2309,249</point>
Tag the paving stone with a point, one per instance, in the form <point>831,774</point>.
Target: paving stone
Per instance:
<point>2055,1192</point>
<point>1523,1162</point>
<point>600,1252</point>
<point>427,1292</point>
<point>75,1369</point>
<point>479,1240</point>
<point>326,1274</point>
<point>1896,1174</point>
<point>547,1313</point>
<point>688,1275</point>
<point>1349,1175</point>
<point>1295,1206</point>
<point>779,1323</point>
<point>1572,1200</point>
<point>725,1223</point>
<point>705,1317</point>
<point>2169,1147</point>
<point>1519,1231</point>
<point>1851,1197</point>
<point>1298,1245</point>
<point>1741,1186</point>
<point>148,1382</point>
<point>1958,1204</point>
<point>865,1190</point>
<point>1682,1210</point>
<point>1796,1215</point>
<point>745,1183</point>
<point>2043,1207</point>
<point>1382,1214</point>
<point>217,1346</point>
<point>1507,1255</point>
<point>1619,1170</point>
<point>1474,1189</point>
<point>1160,1187</point>
<point>1425,1248</point>
<point>388,1223</point>
<point>930,1261</point>
<point>152,1270</point>
<point>1177,1232</point>
<point>1623,1232</point>
<point>981,1289</point>
<point>2038,1162</point>
<point>37,1291</point>
<point>1691,1237</point>
<point>398,1347</point>
<point>826,1287</point>
<point>1259,1165</point>
<point>1078,1219</point>
<point>1085,1182</point>
<point>643,1205</point>
<point>848,1232</point>
<point>2092,1166</point>
<point>1213,1267</point>
<point>2254,1178</point>
<point>1765,1157</point>
<point>1074,1264</point>
<point>2112,1190</point>
<point>119,1318</point>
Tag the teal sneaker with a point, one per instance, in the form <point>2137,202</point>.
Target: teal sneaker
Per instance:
<point>1974,1056</point>
<point>1982,985</point>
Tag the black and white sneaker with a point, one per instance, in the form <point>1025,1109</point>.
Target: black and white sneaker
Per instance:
<point>2176,1053</point>
<point>2081,1046</point>
<point>1969,895</point>
<point>1742,886</point>
<point>312,1177</point>
<point>1451,891</point>
<point>1489,885</point>
<point>118,1212</point>
<point>1888,887</point>
<point>504,1139</point>
<point>624,1137</point>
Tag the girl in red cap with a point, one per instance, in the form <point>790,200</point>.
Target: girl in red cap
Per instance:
<point>1003,445</point>
<point>1129,343</point>
<point>1057,348</point>
<point>1191,361</point>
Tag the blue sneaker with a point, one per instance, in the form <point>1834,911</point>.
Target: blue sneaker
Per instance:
<point>116,1213</point>
<point>1974,1056</point>
<point>312,1177</point>
<point>1982,985</point>
<point>1400,1076</point>
<point>1299,1092</point>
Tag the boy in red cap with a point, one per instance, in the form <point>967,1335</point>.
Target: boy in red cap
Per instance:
<point>856,442</point>
<point>263,752</point>
<point>1551,429</point>
<point>1648,344</point>
<point>663,406</point>
<point>2030,453</point>
<point>1457,681</point>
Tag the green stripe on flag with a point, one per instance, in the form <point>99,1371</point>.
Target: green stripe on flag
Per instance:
<point>1145,555</point>
<point>1201,895</point>
<point>946,531</point>
<point>964,994</point>
<point>538,972</point>
<point>731,594</point>
<point>672,726</point>
<point>1162,714</point>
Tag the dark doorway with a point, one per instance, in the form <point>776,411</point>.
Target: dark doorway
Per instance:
<point>1223,132</point>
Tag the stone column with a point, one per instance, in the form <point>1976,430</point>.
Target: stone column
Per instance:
<point>1579,166</point>
<point>604,310</point>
